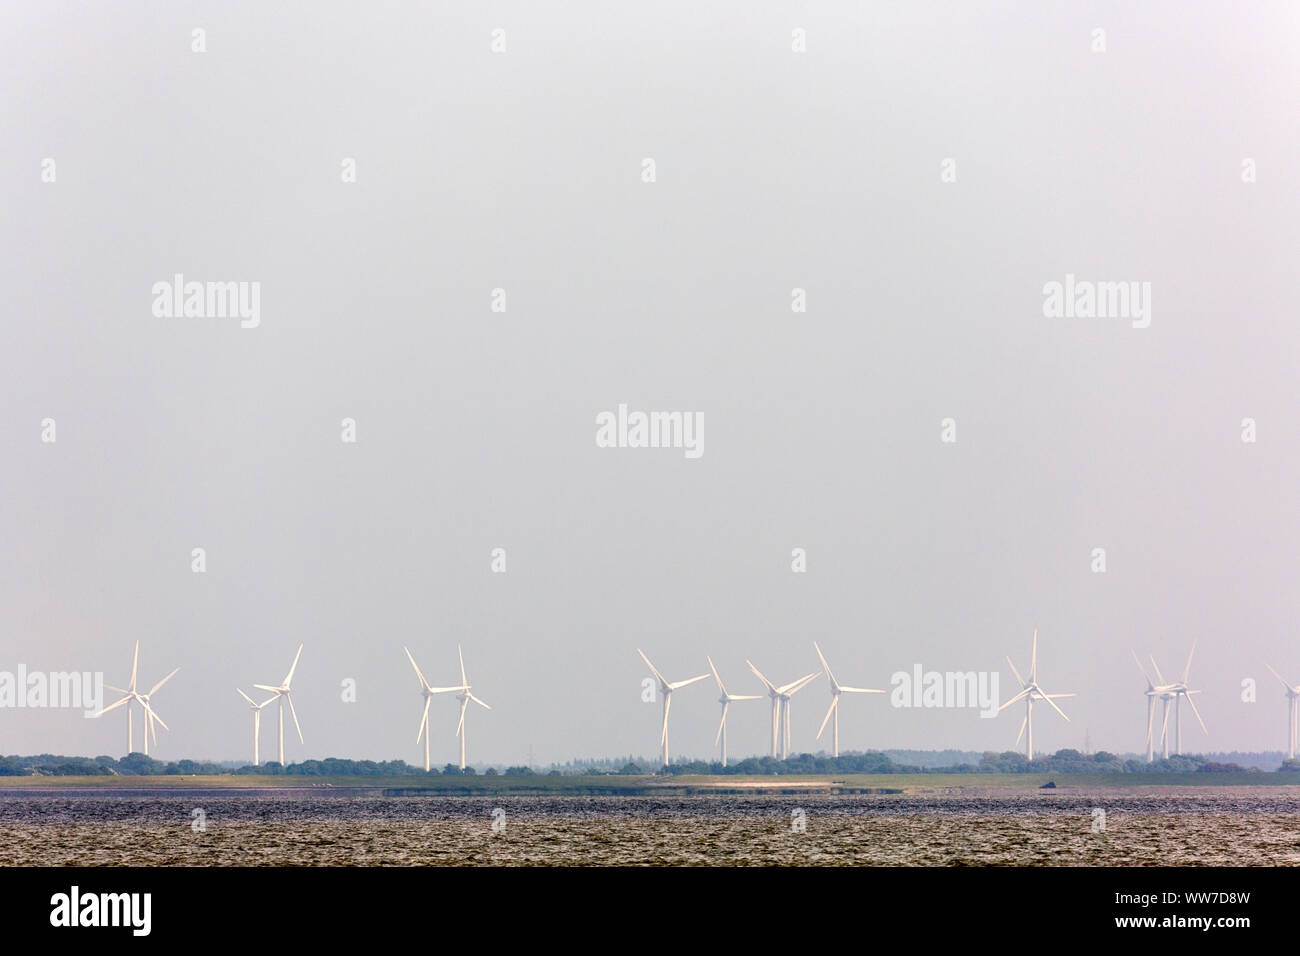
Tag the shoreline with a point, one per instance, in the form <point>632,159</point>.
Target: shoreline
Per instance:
<point>934,784</point>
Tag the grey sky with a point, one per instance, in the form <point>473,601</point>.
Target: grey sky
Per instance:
<point>476,430</point>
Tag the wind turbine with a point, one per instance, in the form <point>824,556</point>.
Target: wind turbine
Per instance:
<point>131,694</point>
<point>781,707</point>
<point>428,698</point>
<point>257,719</point>
<point>1176,692</point>
<point>1154,692</point>
<point>666,689</point>
<point>282,692</point>
<point>464,697</point>
<point>1292,695</point>
<point>725,700</point>
<point>1030,692</point>
<point>836,689</point>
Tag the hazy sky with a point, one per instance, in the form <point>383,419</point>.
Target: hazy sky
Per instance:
<point>475,429</point>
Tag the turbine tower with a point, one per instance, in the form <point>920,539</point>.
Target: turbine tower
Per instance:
<point>781,707</point>
<point>257,719</point>
<point>464,697</point>
<point>428,698</point>
<point>282,693</point>
<point>836,689</point>
<point>1292,695</point>
<point>1176,692</point>
<point>130,695</point>
<point>725,700</point>
<point>666,689</point>
<point>1030,692</point>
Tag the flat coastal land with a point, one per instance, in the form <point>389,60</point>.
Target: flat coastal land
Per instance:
<point>936,784</point>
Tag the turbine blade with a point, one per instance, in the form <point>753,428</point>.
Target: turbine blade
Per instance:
<point>829,710</point>
<point>1023,720</point>
<point>796,686</point>
<point>1188,668</point>
<point>295,718</point>
<point>112,706</point>
<point>423,682</point>
<point>153,715</point>
<point>1197,713</point>
<point>153,690</point>
<point>135,663</point>
<point>1052,704</point>
<point>1033,659</point>
<point>731,697</point>
<point>659,677</point>
<point>718,736</point>
<point>460,727</point>
<point>463,679</point>
<point>825,666</point>
<point>477,701</point>
<point>1019,679</point>
<point>668,702</point>
<point>1156,667</point>
<point>683,683</point>
<point>714,670</point>
<point>1269,666</point>
<point>860,690</point>
<point>1141,668</point>
<point>119,690</point>
<point>759,675</point>
<point>293,667</point>
<point>424,719</point>
<point>245,696</point>
<point>1019,697</point>
<point>275,690</point>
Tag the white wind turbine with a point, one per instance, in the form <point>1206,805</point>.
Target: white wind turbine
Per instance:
<point>257,720</point>
<point>781,707</point>
<point>836,689</point>
<point>1030,692</point>
<point>464,697</point>
<point>428,698</point>
<point>131,694</point>
<point>1154,692</point>
<point>1292,695</point>
<point>724,700</point>
<point>1176,691</point>
<point>282,693</point>
<point>666,689</point>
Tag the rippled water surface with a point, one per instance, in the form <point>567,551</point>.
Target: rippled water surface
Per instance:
<point>1235,826</point>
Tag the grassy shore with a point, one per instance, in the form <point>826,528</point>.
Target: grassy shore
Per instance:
<point>650,784</point>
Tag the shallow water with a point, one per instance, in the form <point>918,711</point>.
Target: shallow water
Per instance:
<point>1233,826</point>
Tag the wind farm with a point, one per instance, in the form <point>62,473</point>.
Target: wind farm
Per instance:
<point>783,738</point>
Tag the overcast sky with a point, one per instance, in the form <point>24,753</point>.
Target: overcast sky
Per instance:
<point>523,170</point>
